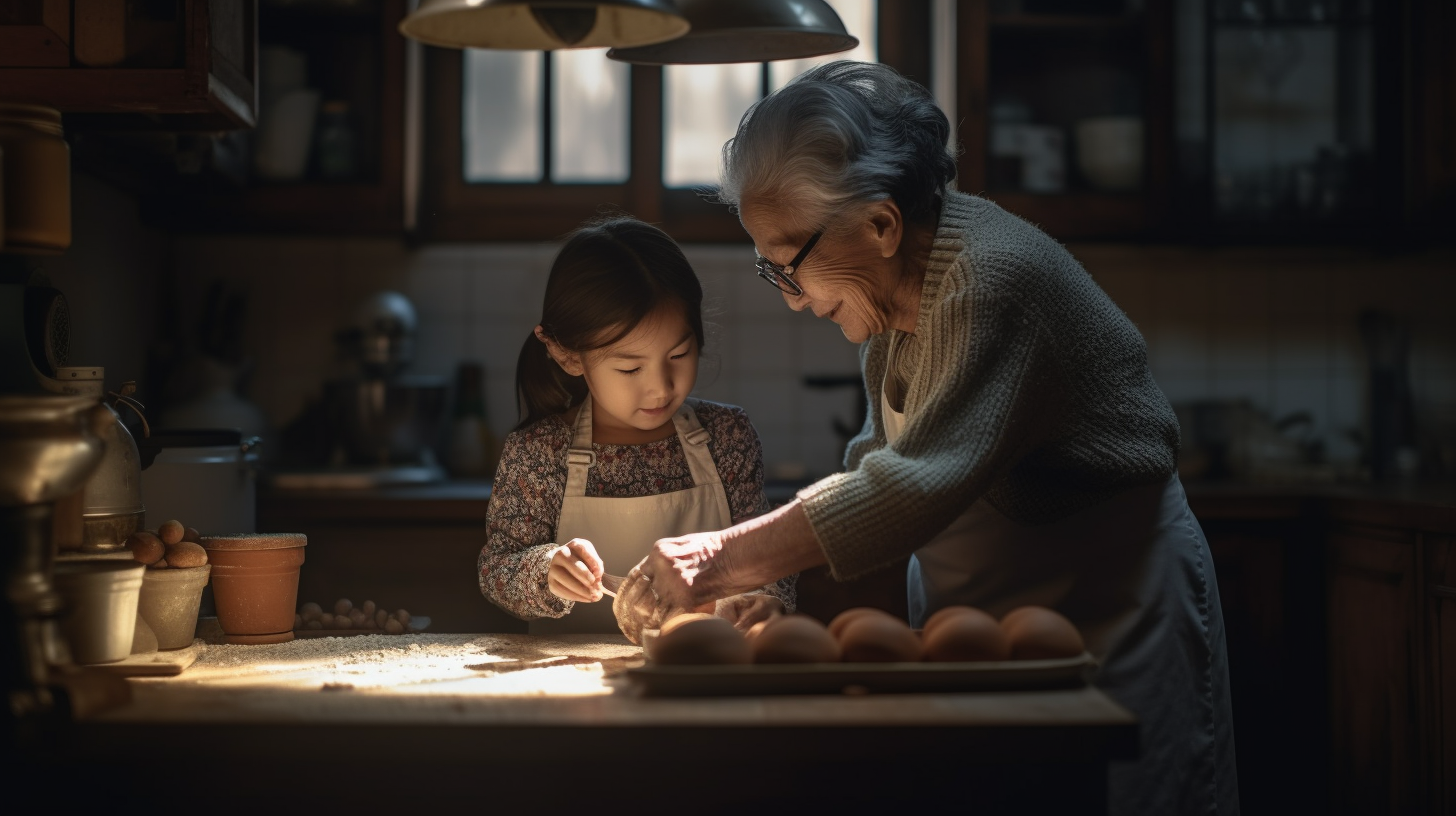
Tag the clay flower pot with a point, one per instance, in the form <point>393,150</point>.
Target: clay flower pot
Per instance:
<point>101,600</point>
<point>255,584</point>
<point>169,602</point>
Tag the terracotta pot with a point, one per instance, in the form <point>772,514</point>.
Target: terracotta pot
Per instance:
<point>255,584</point>
<point>169,602</point>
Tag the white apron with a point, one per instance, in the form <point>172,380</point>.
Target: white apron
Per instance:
<point>623,529</point>
<point>1135,576</point>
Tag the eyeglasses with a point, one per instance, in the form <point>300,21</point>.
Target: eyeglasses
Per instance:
<point>779,275</point>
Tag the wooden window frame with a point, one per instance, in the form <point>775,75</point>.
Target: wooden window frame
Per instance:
<point>455,210</point>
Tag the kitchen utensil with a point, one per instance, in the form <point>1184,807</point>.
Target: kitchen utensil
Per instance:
<point>611,584</point>
<point>111,504</point>
<point>206,478</point>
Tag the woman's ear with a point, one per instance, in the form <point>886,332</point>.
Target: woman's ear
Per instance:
<point>569,361</point>
<point>888,225</point>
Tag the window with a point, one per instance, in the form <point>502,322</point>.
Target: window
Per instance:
<point>526,145</point>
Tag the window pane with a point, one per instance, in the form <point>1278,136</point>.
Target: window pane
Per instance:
<point>502,116</point>
<point>858,17</point>
<point>702,106</point>
<point>589,116</point>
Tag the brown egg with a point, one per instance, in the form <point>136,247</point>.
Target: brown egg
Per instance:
<point>146,547</point>
<point>755,630</point>
<point>964,633</point>
<point>1038,633</point>
<point>836,626</point>
<point>185,554</point>
<point>701,641</point>
<point>171,531</point>
<point>794,639</point>
<point>879,639</point>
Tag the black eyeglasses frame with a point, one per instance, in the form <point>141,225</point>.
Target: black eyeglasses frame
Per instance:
<point>779,276</point>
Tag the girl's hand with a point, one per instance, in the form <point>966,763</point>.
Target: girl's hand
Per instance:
<point>576,572</point>
<point>747,609</point>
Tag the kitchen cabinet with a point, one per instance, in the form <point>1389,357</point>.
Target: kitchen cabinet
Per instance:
<point>327,156</point>
<point>411,547</point>
<point>1031,75</point>
<point>1439,697</point>
<point>183,65</point>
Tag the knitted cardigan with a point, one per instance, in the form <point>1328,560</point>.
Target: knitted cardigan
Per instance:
<point>1025,386</point>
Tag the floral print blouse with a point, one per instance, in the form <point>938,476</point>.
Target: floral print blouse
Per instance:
<point>530,483</point>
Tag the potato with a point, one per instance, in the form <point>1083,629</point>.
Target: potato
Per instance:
<point>314,624</point>
<point>310,611</point>
<point>298,621</point>
<point>171,531</point>
<point>369,608</point>
<point>342,606</point>
<point>393,627</point>
<point>146,547</point>
<point>402,616</point>
<point>160,563</point>
<point>326,620</point>
<point>343,622</point>
<point>356,616</point>
<point>381,618</point>
<point>191,534</point>
<point>185,554</point>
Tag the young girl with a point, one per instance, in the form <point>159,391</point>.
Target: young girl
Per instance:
<point>612,454</point>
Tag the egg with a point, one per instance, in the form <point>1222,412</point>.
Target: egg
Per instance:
<point>794,639</point>
<point>1039,633</point>
<point>836,626</point>
<point>964,633</point>
<point>879,639</point>
<point>171,531</point>
<point>700,641</point>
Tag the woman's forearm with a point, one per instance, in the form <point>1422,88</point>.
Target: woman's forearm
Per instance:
<point>764,549</point>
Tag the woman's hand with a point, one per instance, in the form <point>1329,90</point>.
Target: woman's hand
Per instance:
<point>576,572</point>
<point>743,611</point>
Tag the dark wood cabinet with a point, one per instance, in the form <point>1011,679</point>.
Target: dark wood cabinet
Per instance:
<point>1375,660</point>
<point>1438,698</point>
<point>173,65</point>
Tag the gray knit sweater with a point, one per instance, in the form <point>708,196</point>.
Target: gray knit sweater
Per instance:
<point>1025,385</point>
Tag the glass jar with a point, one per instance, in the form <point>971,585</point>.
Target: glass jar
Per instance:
<point>35,168</point>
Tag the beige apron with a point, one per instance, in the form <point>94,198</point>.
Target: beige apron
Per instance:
<point>1134,574</point>
<point>623,529</point>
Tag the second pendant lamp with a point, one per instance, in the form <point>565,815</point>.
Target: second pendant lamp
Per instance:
<point>543,25</point>
<point>725,31</point>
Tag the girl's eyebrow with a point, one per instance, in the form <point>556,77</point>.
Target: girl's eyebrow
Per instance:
<point>621,356</point>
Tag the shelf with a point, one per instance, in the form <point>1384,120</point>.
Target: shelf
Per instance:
<point>1079,215</point>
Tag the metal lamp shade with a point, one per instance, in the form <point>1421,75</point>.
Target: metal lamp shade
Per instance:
<point>543,25</point>
<point>746,31</point>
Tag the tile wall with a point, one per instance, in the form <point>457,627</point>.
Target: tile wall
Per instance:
<point>1278,327</point>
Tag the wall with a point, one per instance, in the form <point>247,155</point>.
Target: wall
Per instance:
<point>1278,327</point>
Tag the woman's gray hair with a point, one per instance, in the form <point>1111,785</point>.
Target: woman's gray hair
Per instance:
<point>842,134</point>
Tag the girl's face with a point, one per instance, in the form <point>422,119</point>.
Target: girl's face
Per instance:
<point>639,381</point>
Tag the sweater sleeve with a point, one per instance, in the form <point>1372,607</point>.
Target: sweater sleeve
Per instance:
<point>986,406</point>
<point>525,502</point>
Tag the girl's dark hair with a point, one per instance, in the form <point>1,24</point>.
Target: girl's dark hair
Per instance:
<point>608,276</point>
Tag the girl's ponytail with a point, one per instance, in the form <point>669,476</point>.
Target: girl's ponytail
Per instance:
<point>542,388</point>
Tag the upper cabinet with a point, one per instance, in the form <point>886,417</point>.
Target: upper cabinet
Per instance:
<point>175,65</point>
<point>1211,120</point>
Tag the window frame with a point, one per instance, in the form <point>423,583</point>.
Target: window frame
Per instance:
<point>455,210</point>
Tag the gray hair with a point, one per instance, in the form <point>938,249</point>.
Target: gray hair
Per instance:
<point>842,134</point>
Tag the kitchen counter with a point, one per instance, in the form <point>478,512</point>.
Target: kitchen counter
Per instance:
<point>462,717</point>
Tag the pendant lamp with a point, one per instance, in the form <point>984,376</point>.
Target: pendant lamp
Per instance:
<point>543,25</point>
<point>746,31</point>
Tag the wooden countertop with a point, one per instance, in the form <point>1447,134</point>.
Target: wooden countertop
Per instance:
<point>441,714</point>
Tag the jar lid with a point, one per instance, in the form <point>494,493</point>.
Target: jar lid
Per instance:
<point>255,541</point>
<point>39,117</point>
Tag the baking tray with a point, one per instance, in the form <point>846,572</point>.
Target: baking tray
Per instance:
<point>417,624</point>
<point>861,678</point>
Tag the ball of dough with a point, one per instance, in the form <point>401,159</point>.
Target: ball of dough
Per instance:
<point>146,547</point>
<point>1039,633</point>
<point>702,641</point>
<point>879,639</point>
<point>171,531</point>
<point>185,554</point>
<point>794,639</point>
<point>964,633</point>
<point>342,606</point>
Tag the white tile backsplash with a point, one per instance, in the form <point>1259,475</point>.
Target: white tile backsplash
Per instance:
<point>1276,327</point>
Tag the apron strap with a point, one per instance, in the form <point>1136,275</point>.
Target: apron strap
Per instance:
<point>694,438</point>
<point>580,457</point>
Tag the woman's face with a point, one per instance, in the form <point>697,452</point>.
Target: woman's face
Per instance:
<point>847,277</point>
<point>638,382</point>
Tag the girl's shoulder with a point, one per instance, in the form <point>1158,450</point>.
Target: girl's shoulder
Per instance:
<point>548,432</point>
<point>721,417</point>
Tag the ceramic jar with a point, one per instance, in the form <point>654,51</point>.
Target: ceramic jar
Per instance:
<point>101,607</point>
<point>169,602</point>
<point>37,179</point>
<point>255,584</point>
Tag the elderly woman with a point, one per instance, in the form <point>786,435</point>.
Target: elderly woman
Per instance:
<point>1016,444</point>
